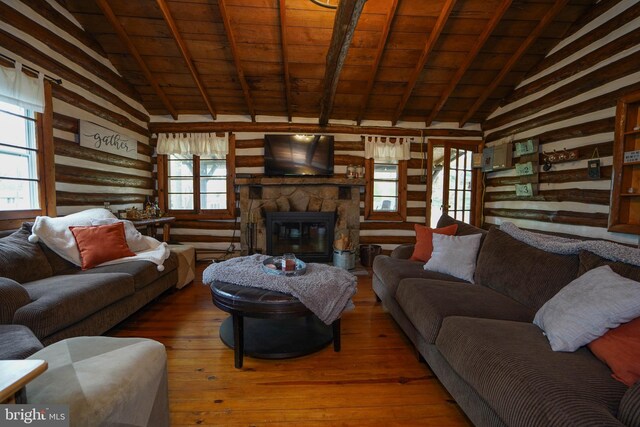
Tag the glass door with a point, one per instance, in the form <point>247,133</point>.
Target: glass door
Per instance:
<point>452,181</point>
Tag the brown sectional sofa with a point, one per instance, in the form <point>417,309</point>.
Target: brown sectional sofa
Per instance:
<point>57,300</point>
<point>480,342</point>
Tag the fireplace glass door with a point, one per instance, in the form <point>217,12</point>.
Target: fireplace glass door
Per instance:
<point>309,235</point>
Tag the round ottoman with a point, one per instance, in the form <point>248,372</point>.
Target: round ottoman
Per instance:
<point>105,381</point>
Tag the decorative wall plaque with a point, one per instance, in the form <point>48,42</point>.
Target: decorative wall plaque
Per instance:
<point>524,190</point>
<point>525,147</point>
<point>107,140</point>
<point>524,169</point>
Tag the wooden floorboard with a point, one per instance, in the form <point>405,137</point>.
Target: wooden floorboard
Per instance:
<point>376,380</point>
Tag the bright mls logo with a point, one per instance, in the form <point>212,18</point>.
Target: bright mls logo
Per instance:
<point>34,415</point>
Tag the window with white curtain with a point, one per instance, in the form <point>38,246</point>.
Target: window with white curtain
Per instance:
<point>19,180</point>
<point>198,176</point>
<point>207,173</point>
<point>386,172</point>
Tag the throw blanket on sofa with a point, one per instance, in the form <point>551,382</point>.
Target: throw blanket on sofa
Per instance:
<point>55,233</point>
<point>561,245</point>
<point>323,289</point>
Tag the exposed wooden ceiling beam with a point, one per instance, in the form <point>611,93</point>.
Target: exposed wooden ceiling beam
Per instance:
<point>431,42</point>
<point>280,127</point>
<point>482,39</point>
<point>544,22</point>
<point>124,38</point>
<point>344,26</point>
<point>285,55</point>
<point>186,55</point>
<point>236,60</point>
<point>376,62</point>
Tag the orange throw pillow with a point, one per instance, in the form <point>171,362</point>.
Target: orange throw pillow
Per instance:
<point>620,350</point>
<point>101,243</point>
<point>424,240</point>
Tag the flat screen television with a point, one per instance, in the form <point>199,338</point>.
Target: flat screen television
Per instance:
<point>298,155</point>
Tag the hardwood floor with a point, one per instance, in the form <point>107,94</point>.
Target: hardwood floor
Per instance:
<point>375,380</point>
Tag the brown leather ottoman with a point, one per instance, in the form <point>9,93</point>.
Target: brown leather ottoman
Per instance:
<point>277,325</point>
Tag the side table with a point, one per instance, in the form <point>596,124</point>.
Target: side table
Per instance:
<point>15,375</point>
<point>152,226</point>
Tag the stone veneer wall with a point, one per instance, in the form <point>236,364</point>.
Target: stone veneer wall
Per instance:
<point>256,200</point>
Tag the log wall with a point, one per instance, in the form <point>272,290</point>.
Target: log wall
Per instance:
<point>44,36</point>
<point>568,101</point>
<point>214,238</point>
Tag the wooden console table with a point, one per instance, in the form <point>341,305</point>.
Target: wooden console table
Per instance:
<point>152,226</point>
<point>14,375</point>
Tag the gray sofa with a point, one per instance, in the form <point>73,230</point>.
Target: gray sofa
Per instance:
<point>479,340</point>
<point>56,300</point>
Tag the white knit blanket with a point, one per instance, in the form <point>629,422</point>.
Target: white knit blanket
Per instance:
<point>55,233</point>
<point>323,289</point>
<point>561,245</point>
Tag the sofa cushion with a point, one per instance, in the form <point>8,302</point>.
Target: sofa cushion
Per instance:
<point>58,264</point>
<point>454,255</point>
<point>427,302</point>
<point>589,261</point>
<point>142,272</point>
<point>588,307</point>
<point>60,301</point>
<point>511,365</point>
<point>12,296</point>
<point>424,240</point>
<point>629,413</point>
<point>17,342</point>
<point>619,348</point>
<point>529,275</point>
<point>98,244</point>
<point>464,229</point>
<point>22,260</point>
<point>391,271</point>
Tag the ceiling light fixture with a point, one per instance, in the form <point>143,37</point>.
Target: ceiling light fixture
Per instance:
<point>329,4</point>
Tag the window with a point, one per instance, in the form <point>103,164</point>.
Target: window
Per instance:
<point>385,187</point>
<point>386,190</point>
<point>19,160</point>
<point>460,184</point>
<point>199,185</point>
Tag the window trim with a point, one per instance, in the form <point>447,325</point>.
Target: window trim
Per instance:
<point>401,214</point>
<point>45,167</point>
<point>163,188</point>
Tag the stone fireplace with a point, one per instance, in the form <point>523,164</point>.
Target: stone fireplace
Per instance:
<point>294,196</point>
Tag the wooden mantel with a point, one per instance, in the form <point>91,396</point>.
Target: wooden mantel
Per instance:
<point>298,180</point>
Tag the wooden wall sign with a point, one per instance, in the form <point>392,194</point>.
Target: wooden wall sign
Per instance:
<point>527,167</point>
<point>103,139</point>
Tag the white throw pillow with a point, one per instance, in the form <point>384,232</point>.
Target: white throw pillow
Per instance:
<point>454,255</point>
<point>587,308</point>
<point>135,239</point>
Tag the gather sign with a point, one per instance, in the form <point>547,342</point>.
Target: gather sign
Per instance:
<point>107,140</point>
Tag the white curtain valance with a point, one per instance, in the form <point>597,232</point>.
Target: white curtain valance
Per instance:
<point>198,144</point>
<point>19,89</point>
<point>381,148</point>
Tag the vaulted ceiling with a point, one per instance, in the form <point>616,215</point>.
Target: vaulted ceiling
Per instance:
<point>393,60</point>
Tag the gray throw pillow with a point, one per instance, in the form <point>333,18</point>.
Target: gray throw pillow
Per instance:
<point>454,255</point>
<point>587,308</point>
<point>21,260</point>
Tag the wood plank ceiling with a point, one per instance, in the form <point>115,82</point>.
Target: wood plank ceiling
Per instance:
<point>392,60</point>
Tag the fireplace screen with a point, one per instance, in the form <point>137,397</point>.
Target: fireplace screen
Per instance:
<point>309,235</point>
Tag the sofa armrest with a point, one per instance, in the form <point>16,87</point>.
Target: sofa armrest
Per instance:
<point>403,251</point>
<point>629,411</point>
<point>12,296</point>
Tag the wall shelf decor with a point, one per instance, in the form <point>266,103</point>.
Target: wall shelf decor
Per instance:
<point>528,161</point>
<point>624,214</point>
